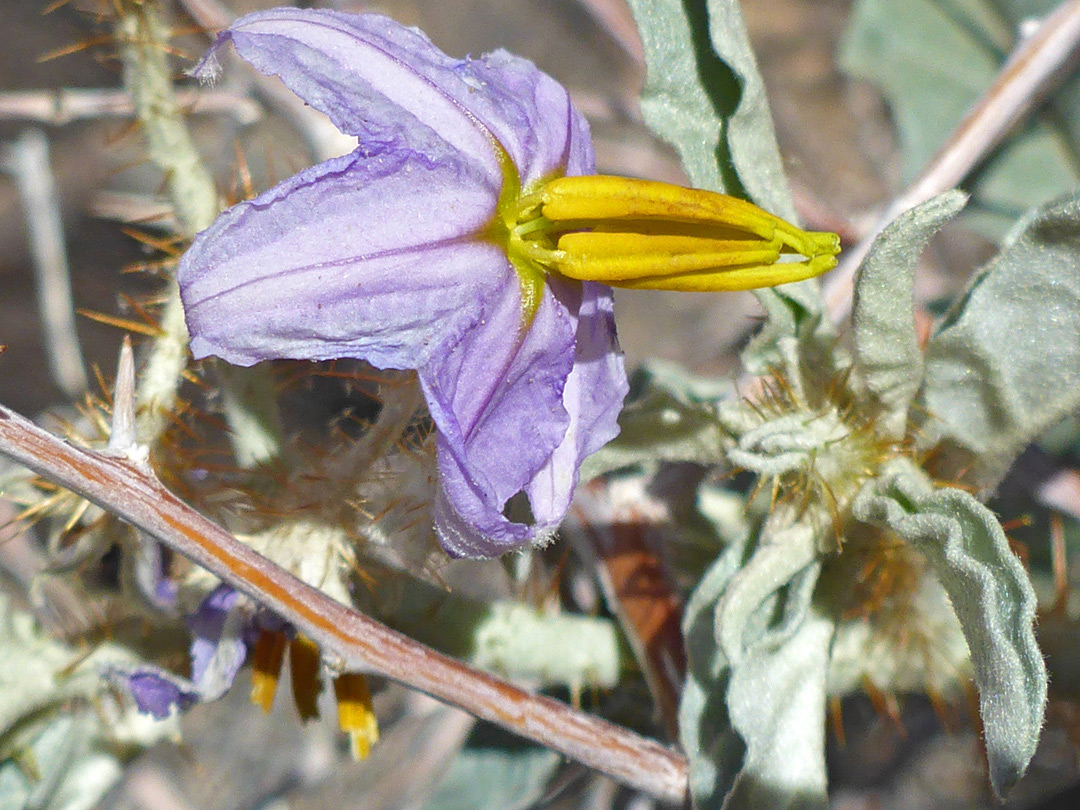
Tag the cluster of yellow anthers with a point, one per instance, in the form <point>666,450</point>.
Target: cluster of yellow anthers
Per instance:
<point>355,714</point>
<point>643,234</point>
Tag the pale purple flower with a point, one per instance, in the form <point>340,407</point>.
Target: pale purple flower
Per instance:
<point>393,254</point>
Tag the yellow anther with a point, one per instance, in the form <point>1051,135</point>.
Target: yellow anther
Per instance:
<point>355,715</point>
<point>647,235</point>
<point>615,257</point>
<point>266,662</point>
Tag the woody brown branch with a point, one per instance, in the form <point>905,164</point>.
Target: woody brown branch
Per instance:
<point>349,640</point>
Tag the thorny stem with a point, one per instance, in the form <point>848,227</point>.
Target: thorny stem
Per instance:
<point>1019,86</point>
<point>148,78</point>
<point>124,486</point>
<point>250,412</point>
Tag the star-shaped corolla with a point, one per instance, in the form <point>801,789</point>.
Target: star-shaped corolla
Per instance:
<point>465,238</point>
<point>393,254</point>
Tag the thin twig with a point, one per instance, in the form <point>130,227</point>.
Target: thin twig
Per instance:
<point>60,107</point>
<point>1023,81</point>
<point>210,14</point>
<point>614,17</point>
<point>190,187</point>
<point>27,159</point>
<point>124,485</point>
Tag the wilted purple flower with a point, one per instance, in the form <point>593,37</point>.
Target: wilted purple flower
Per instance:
<point>156,692</point>
<point>219,628</point>
<point>404,253</point>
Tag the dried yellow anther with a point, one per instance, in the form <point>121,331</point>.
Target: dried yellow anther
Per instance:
<point>305,662</point>
<point>266,660</point>
<point>355,715</point>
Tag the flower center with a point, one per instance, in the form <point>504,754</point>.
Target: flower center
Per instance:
<point>510,230</point>
<point>647,235</point>
<point>641,234</point>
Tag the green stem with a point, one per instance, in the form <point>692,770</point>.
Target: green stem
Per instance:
<point>250,408</point>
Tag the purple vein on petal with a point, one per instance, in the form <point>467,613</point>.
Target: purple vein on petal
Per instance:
<point>343,262</point>
<point>564,161</point>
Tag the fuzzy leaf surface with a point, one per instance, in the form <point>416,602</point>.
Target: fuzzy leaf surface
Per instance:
<point>704,95</point>
<point>58,715</point>
<point>1005,365</point>
<point>993,599</point>
<point>888,358</point>
<point>751,716</point>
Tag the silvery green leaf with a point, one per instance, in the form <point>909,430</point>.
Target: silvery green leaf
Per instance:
<point>776,700</point>
<point>495,771</point>
<point>46,676</point>
<point>932,59</point>
<point>750,631</point>
<point>745,612</point>
<point>61,730</point>
<point>1005,365</point>
<point>993,599</point>
<point>671,416</point>
<point>788,443</point>
<point>508,638</point>
<point>751,139</point>
<point>714,751</point>
<point>704,95</point>
<point>755,155</point>
<point>888,358</point>
<point>689,93</point>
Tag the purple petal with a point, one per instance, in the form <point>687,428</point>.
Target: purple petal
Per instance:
<point>380,255</point>
<point>365,257</point>
<point>388,84</point>
<point>218,650</point>
<point>531,116</point>
<point>593,397</point>
<point>205,626</point>
<point>496,397</point>
<point>155,691</point>
<point>218,646</point>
